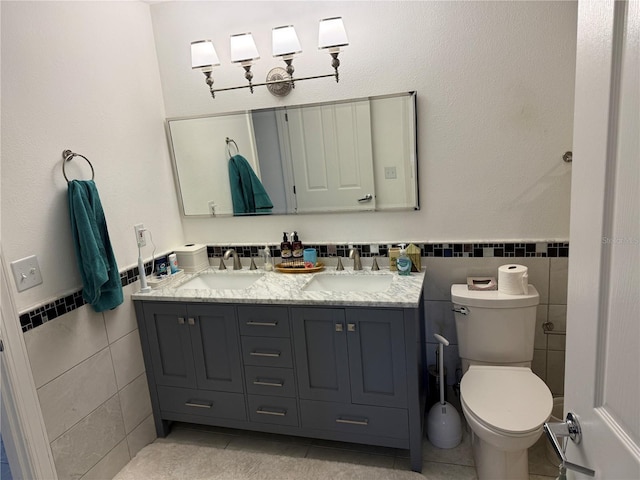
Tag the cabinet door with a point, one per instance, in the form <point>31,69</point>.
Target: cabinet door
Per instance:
<point>216,351</point>
<point>377,357</point>
<point>321,353</point>
<point>169,344</point>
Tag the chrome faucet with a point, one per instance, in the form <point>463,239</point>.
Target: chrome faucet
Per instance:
<point>355,254</point>
<point>236,260</point>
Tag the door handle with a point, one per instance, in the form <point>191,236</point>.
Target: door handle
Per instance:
<point>461,310</point>
<point>569,428</point>
<point>339,327</point>
<point>351,327</point>
<point>180,320</point>
<point>367,198</point>
<point>191,321</point>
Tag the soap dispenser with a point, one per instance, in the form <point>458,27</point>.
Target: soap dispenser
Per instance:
<point>296,250</point>
<point>403,263</point>
<point>285,250</point>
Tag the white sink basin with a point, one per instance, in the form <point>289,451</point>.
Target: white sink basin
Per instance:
<point>221,281</point>
<point>348,283</point>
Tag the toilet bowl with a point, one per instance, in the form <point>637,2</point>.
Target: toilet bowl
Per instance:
<point>505,407</point>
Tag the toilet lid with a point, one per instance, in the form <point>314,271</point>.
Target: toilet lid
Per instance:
<point>509,399</point>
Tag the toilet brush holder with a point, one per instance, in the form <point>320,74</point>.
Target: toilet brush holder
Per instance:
<point>444,428</point>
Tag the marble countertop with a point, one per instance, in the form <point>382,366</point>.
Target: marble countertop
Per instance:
<point>286,289</point>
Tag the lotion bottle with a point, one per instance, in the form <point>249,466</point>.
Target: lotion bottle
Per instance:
<point>403,263</point>
<point>296,250</point>
<point>285,250</point>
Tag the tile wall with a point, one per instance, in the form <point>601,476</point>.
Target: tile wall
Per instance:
<point>90,376</point>
<point>91,384</point>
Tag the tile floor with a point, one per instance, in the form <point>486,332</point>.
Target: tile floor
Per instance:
<point>438,464</point>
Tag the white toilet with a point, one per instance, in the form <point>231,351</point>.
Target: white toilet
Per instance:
<point>504,403</point>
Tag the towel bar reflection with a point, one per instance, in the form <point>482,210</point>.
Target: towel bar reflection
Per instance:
<point>68,155</point>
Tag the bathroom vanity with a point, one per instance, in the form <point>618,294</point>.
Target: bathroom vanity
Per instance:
<point>284,356</point>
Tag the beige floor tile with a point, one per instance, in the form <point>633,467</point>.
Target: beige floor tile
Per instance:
<point>350,456</point>
<point>359,447</point>
<point>254,444</point>
<point>460,455</point>
<point>197,437</point>
<point>440,471</point>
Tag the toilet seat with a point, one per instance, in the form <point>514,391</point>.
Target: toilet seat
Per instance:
<point>510,400</point>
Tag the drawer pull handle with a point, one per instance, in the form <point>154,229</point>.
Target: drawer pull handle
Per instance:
<point>264,354</point>
<point>262,324</point>
<point>266,383</point>
<point>199,405</point>
<point>271,412</point>
<point>364,422</point>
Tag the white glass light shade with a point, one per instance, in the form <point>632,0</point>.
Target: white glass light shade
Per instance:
<point>332,34</point>
<point>285,41</point>
<point>203,55</point>
<point>243,48</point>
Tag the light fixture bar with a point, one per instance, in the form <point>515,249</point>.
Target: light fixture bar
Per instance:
<point>332,37</point>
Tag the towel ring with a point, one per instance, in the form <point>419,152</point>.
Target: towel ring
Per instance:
<point>68,155</point>
<point>229,141</point>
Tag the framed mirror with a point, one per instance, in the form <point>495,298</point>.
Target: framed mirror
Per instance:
<point>343,156</point>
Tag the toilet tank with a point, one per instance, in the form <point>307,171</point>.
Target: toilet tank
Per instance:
<point>494,328</point>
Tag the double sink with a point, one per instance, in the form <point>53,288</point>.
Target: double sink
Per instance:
<point>319,282</point>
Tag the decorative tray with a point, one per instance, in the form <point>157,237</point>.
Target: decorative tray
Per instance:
<point>282,269</point>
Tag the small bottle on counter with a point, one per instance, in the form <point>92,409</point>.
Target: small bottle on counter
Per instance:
<point>173,263</point>
<point>285,250</point>
<point>403,263</point>
<point>268,264</point>
<point>297,251</point>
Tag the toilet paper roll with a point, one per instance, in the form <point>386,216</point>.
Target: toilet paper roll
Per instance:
<point>513,279</point>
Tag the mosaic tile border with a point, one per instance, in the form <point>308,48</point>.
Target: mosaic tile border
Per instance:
<point>540,249</point>
<point>49,311</point>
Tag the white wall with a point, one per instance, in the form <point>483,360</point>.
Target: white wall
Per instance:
<point>495,103</point>
<point>82,76</point>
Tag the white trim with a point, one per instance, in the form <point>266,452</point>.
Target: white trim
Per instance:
<point>28,423</point>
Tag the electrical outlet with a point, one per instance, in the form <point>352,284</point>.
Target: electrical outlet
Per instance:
<point>390,173</point>
<point>140,238</point>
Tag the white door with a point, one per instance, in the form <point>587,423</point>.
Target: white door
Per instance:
<point>603,314</point>
<point>332,157</point>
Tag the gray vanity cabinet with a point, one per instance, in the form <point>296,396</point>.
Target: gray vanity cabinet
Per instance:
<point>194,346</point>
<point>351,355</point>
<point>351,374</point>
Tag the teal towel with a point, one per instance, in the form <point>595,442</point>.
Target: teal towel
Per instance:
<point>247,192</point>
<point>102,287</point>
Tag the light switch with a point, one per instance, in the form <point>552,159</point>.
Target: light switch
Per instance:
<point>26,272</point>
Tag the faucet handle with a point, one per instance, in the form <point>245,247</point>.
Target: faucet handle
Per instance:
<point>339,266</point>
<point>253,265</point>
<point>222,266</point>
<point>374,265</point>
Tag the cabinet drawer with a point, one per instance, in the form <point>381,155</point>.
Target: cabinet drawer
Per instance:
<point>361,419</point>
<point>276,410</point>
<point>267,352</point>
<point>201,402</point>
<point>264,321</point>
<point>270,381</point>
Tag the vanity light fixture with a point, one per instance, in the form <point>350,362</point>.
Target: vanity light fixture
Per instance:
<point>332,36</point>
